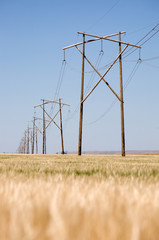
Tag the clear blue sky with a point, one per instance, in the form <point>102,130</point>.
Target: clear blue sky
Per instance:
<point>32,35</point>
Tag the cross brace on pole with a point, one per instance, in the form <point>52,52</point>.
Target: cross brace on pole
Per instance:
<point>102,77</point>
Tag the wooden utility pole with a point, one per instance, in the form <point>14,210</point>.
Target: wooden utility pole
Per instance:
<point>36,130</point>
<point>28,140</point>
<point>33,140</point>
<point>120,98</point>
<point>24,141</point>
<point>44,137</point>
<point>61,126</point>
<point>122,101</point>
<point>81,102</point>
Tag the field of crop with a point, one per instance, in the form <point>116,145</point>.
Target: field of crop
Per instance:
<point>79,198</point>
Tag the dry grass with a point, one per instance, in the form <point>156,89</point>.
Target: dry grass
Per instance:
<point>79,198</point>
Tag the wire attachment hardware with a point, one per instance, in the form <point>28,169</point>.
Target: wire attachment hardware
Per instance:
<point>101,51</point>
<point>139,60</point>
<point>64,56</point>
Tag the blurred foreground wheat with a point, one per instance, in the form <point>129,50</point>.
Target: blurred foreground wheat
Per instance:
<point>71,198</point>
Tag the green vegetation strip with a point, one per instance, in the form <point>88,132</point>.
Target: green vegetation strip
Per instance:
<point>141,167</point>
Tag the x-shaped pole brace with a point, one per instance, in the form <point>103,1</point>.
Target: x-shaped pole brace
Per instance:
<point>102,77</point>
<point>52,119</point>
<point>37,129</point>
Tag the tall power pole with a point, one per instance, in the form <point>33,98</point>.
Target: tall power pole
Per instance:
<point>81,102</point>
<point>122,101</point>
<point>61,126</point>
<point>120,98</point>
<point>28,140</point>
<point>36,137</point>
<point>44,136</point>
<point>33,137</point>
<point>25,140</point>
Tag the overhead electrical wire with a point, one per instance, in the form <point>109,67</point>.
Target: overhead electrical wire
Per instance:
<point>128,52</point>
<point>132,73</point>
<point>106,13</point>
<point>150,37</point>
<point>145,27</point>
<point>61,76</point>
<point>150,59</point>
<point>63,67</point>
<point>152,65</point>
<point>144,59</point>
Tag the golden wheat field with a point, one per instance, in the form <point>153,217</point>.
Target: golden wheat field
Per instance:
<point>79,198</point>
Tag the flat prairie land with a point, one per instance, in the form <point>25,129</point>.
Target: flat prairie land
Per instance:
<point>105,197</point>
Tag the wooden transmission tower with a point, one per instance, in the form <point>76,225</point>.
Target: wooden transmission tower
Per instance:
<point>51,119</point>
<point>120,98</point>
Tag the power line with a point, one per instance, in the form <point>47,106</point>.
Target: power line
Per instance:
<point>126,54</point>
<point>106,13</point>
<point>150,59</point>
<point>152,65</point>
<point>59,83</point>
<point>150,37</point>
<point>144,59</point>
<point>132,74</point>
<point>103,114</point>
<point>145,27</point>
<point>61,77</point>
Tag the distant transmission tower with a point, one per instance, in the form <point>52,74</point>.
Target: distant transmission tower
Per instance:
<point>42,106</point>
